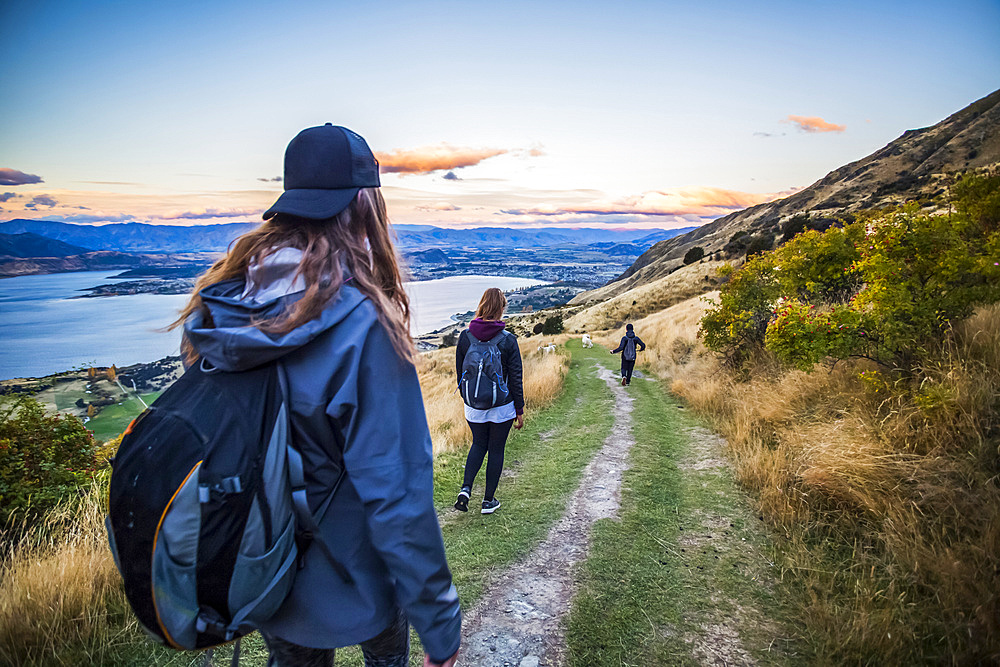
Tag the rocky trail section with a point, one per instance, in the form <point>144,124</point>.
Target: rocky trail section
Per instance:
<point>519,620</point>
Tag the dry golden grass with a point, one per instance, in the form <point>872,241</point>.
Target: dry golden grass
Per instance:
<point>543,379</point>
<point>61,599</point>
<point>687,282</point>
<point>889,499</point>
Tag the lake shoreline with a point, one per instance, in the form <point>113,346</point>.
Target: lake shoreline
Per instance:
<point>50,331</point>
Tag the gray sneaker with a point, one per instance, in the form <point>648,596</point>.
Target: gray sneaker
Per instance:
<point>490,506</point>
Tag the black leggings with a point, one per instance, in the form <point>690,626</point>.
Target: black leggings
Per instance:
<point>487,437</point>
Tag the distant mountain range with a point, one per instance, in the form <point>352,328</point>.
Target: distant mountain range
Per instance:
<point>27,244</point>
<point>916,166</point>
<point>144,238</point>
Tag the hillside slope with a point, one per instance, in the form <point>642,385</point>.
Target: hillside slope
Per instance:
<point>917,165</point>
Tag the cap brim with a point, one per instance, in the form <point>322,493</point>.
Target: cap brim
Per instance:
<point>313,204</point>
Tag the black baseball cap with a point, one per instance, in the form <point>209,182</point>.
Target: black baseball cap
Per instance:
<point>325,166</point>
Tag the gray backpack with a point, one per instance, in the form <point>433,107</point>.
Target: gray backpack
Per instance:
<point>482,383</point>
<point>628,353</point>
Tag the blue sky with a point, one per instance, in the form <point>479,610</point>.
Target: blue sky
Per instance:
<point>653,114</point>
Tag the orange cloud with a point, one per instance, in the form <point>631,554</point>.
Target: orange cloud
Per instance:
<point>814,124</point>
<point>426,159</point>
<point>698,201</point>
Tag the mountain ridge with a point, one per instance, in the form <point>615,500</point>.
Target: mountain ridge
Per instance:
<point>147,238</point>
<point>919,164</point>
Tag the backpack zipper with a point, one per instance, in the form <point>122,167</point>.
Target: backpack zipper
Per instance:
<point>479,378</point>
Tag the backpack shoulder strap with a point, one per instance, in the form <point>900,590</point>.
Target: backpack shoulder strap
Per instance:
<point>308,532</point>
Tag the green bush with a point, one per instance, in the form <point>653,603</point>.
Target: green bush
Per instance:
<point>693,255</point>
<point>43,458</point>
<point>886,287</point>
<point>552,325</point>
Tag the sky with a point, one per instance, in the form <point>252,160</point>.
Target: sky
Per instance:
<point>631,114</point>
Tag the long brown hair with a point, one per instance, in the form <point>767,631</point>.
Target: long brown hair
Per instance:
<point>358,238</point>
<point>492,304</point>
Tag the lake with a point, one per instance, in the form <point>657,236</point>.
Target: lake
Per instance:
<point>43,330</point>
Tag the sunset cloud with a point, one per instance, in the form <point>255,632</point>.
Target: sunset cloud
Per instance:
<point>451,176</point>
<point>6,196</point>
<point>41,200</point>
<point>814,124</point>
<point>439,206</point>
<point>427,159</point>
<point>15,177</point>
<point>692,201</point>
<point>210,213</point>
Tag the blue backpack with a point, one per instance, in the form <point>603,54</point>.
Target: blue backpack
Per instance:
<point>482,384</point>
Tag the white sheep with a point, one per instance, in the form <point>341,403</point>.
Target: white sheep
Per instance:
<point>586,341</point>
<point>547,348</point>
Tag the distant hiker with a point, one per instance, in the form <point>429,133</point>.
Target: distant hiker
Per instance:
<point>317,287</point>
<point>488,362</point>
<point>628,349</point>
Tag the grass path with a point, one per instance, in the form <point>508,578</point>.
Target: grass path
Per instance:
<point>683,576</point>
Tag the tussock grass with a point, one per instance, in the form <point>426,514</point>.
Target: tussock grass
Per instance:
<point>543,380</point>
<point>886,492</point>
<point>61,600</point>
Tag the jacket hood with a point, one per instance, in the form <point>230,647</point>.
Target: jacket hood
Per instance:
<point>484,330</point>
<point>630,334</point>
<point>234,344</point>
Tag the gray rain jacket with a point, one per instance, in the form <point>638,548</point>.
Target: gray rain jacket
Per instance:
<point>345,380</point>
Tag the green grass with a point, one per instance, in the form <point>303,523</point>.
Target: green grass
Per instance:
<point>544,472</point>
<point>111,421</point>
<point>647,587</point>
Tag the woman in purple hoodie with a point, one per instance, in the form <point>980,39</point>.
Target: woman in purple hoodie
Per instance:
<point>490,425</point>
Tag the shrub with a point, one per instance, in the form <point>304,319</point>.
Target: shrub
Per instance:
<point>887,287</point>
<point>552,325</point>
<point>760,244</point>
<point>693,255</point>
<point>794,226</point>
<point>43,458</point>
<point>450,339</point>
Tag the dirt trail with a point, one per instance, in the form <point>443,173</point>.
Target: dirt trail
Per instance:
<point>519,620</point>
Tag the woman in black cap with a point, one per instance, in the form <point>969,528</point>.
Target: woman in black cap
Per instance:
<point>318,288</point>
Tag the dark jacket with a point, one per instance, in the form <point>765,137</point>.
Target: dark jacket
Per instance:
<point>510,357</point>
<point>345,380</point>
<point>640,346</point>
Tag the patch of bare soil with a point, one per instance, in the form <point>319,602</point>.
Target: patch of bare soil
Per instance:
<point>519,620</point>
